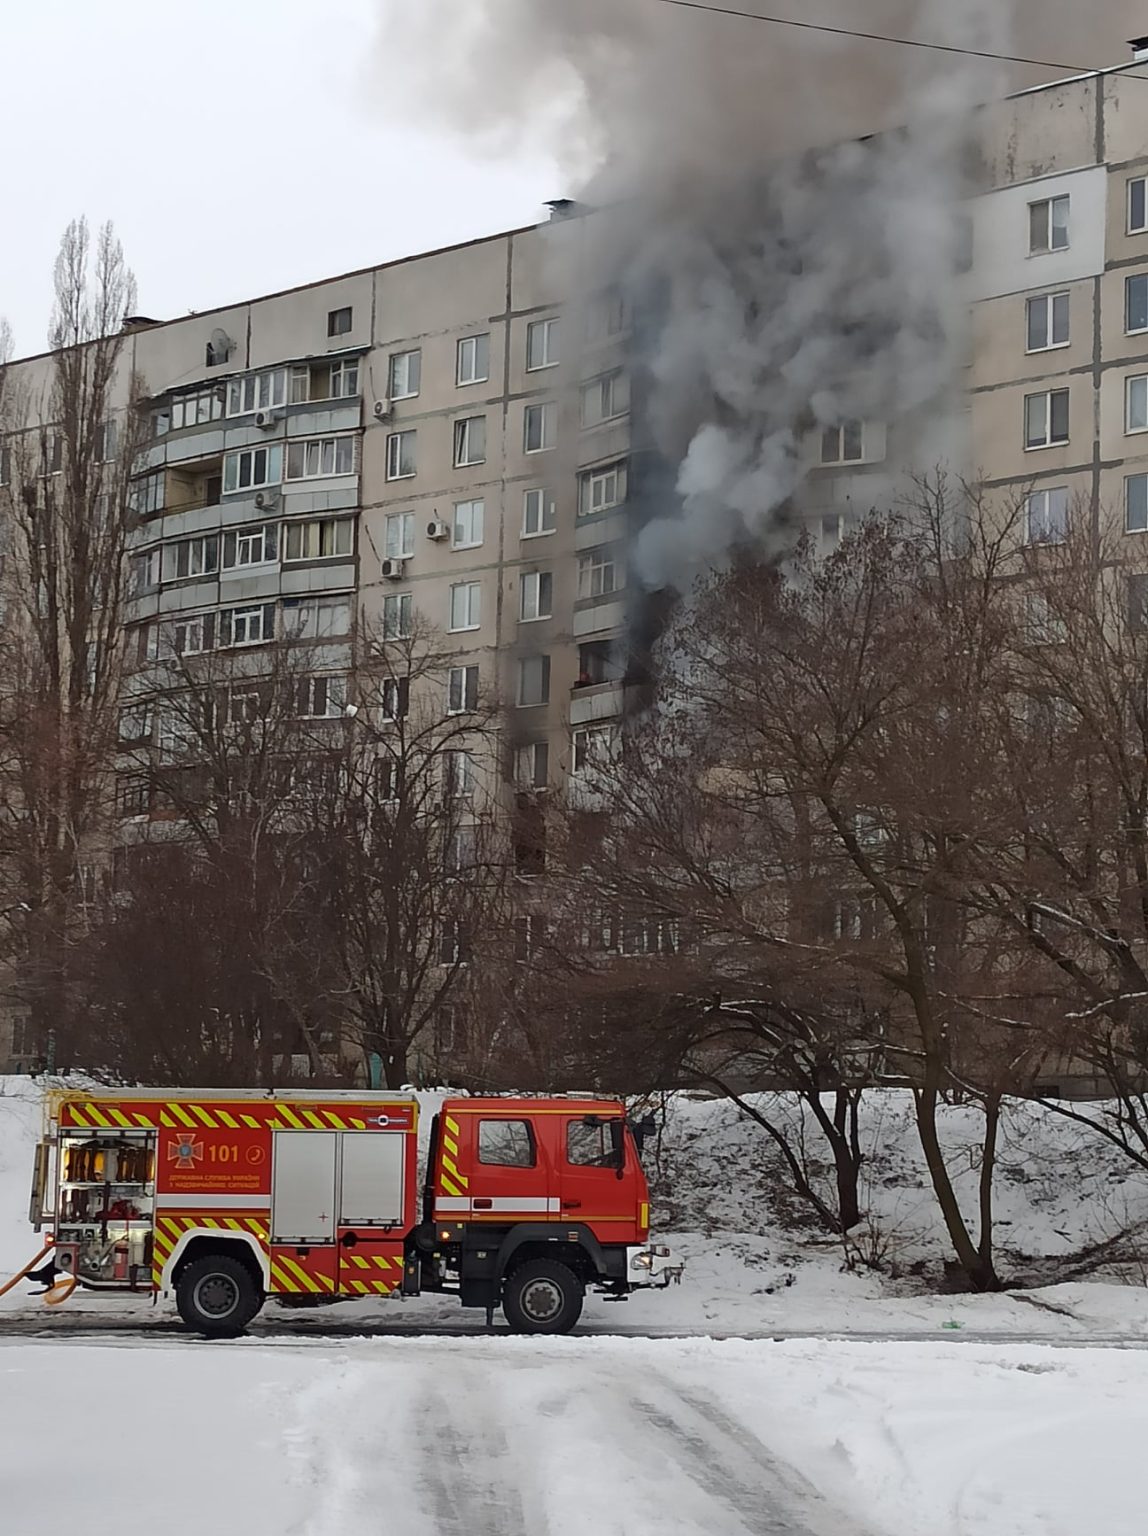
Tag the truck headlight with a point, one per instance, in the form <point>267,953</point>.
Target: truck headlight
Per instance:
<point>644,1260</point>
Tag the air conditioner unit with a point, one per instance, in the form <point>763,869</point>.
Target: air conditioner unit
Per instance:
<point>265,499</point>
<point>394,570</point>
<point>437,530</point>
<point>382,409</point>
<point>265,419</point>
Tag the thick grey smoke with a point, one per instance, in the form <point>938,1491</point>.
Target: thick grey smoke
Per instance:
<point>803,276</point>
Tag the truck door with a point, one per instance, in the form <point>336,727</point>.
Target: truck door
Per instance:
<point>303,1195</point>
<point>501,1172</point>
<point>598,1177</point>
<point>372,1211</point>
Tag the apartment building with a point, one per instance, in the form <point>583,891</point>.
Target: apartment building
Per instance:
<point>446,436</point>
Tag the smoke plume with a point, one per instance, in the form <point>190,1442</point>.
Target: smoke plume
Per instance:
<point>789,271</point>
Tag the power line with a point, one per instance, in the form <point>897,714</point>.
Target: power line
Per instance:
<point>870,37</point>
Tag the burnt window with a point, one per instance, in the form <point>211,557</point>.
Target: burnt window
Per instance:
<point>506,1143</point>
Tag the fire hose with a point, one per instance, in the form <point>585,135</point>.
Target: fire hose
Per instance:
<point>28,1268</point>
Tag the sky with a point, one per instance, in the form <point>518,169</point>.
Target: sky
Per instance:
<point>239,147</point>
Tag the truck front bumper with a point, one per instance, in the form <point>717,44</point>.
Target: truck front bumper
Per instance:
<point>653,1264</point>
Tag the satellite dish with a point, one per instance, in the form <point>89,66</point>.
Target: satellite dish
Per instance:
<point>221,344</point>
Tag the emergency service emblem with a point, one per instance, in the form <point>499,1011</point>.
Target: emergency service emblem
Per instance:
<point>184,1153</point>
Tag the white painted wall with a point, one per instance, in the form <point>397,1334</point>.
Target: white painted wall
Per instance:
<point>1001,260</point>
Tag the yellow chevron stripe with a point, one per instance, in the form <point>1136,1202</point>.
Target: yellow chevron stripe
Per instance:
<point>307,1281</point>
<point>382,1262</point>
<point>249,1121</point>
<point>202,1115</point>
<point>459,1178</point>
<point>291,1117</point>
<point>229,1120</point>
<point>166,1120</point>
<point>77,1116</point>
<point>334,1121</point>
<point>450,1186</point>
<point>359,1262</point>
<point>98,1117</point>
<point>161,1248</point>
<point>358,1285</point>
<point>181,1115</point>
<point>450,1145</point>
<point>313,1120</point>
<point>144,1121</point>
<point>283,1281</point>
<point>120,1118</point>
<point>452,1125</point>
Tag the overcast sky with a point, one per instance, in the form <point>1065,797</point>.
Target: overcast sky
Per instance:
<point>239,146</point>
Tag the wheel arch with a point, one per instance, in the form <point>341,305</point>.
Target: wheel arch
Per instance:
<point>536,1240</point>
<point>200,1242</point>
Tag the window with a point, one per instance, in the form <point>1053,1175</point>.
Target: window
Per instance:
<point>529,935</point>
<point>648,936</point>
<point>252,467</point>
<point>462,690</point>
<point>339,321</point>
<point>506,1143</point>
<point>470,441</point>
<point>461,850</point>
<point>143,644</point>
<point>317,618</point>
<point>597,664</point>
<point>401,455</point>
<point>395,697</point>
<point>1043,625</point>
<point>388,780</point>
<point>133,795</point>
<point>601,489</point>
<point>1046,516</point>
<point>143,571</point>
<point>844,444</point>
<point>541,344</point>
<point>606,316</point>
<point>1136,303</point>
<point>605,398</point>
<point>465,605</point>
<point>533,766</point>
<point>321,456</point>
<point>1138,603</point>
<point>536,595</point>
<point>1136,404</point>
<point>397,616</point>
<point>594,1143</point>
<point>539,427</point>
<point>191,557</point>
<point>344,380</point>
<point>161,421</point>
<point>1137,205</point>
<point>256,392</point>
<point>109,441</point>
<point>324,538</point>
<point>1046,419</point>
<point>250,546</point>
<point>537,513</point>
<point>1048,226</point>
<point>594,747</point>
<point>473,360</point>
<point>51,453</point>
<point>136,723</point>
<point>194,635</point>
<point>457,774</point>
<point>598,575</point>
<point>405,375</point>
<point>1136,504</point>
<point>5,464</point>
<point>202,407</point>
<point>1047,322</point>
<point>148,494</point>
<point>247,626</point>
<point>454,942</point>
<point>399,542</point>
<point>468,520</point>
<point>322,698</point>
<point>534,680</point>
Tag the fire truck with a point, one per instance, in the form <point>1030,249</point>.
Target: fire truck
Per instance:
<point>229,1198</point>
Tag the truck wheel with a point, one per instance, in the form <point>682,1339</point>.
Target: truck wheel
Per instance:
<point>218,1296</point>
<point>542,1296</point>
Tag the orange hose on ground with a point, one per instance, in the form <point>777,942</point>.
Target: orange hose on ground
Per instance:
<point>60,1291</point>
<point>31,1265</point>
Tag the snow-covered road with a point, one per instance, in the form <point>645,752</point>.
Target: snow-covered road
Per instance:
<point>621,1437</point>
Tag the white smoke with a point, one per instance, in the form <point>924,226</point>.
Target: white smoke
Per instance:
<point>803,276</point>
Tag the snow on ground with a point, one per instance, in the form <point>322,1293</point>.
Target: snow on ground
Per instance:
<point>623,1437</point>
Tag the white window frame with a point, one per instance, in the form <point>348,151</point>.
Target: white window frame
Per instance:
<point>470,349</point>
<point>398,616</point>
<point>347,371</point>
<point>845,434</point>
<point>591,478</point>
<point>469,441</point>
<point>149,493</point>
<point>1050,205</point>
<point>1135,384</point>
<point>547,415</point>
<point>584,744</point>
<point>191,634</point>
<point>465,605</point>
<point>306,530</point>
<point>266,391</point>
<point>323,458</point>
<point>604,399</point>
<point>548,331</point>
<point>399,536</point>
<point>303,619</point>
<point>544,682</point>
<point>459,774</point>
<point>593,565</point>
<point>273,468</point>
<point>545,507</point>
<point>400,366</point>
<point>1140,480</point>
<point>458,686</point>
<point>395,442</point>
<point>145,570</point>
<point>1131,227</point>
<point>250,617</point>
<point>528,760</point>
<point>1043,525</point>
<point>328,689</point>
<point>197,554</point>
<point>197,409</point>
<point>1129,329</point>
<point>467,525</point>
<point>535,596</point>
<point>1032,445</point>
<point>255,541</point>
<point>1049,301</point>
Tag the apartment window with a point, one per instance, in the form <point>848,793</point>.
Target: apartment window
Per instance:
<point>1047,318</point>
<point>470,441</point>
<point>256,392</point>
<point>344,379</point>
<point>1138,603</point>
<point>250,625</point>
<point>319,457</point>
<point>317,618</point>
<point>401,460</point>
<point>1136,303</point>
<point>539,427</point>
<point>1136,504</point>
<point>193,635</point>
<point>468,520</point>
<point>51,453</point>
<point>321,698</point>
<point>191,557</point>
<point>323,538</point>
<point>252,467</point>
<point>536,595</point>
<point>606,315</point>
<point>594,746</point>
<point>534,680</point>
<point>143,643</point>
<point>473,360</point>
<point>1046,516</point>
<point>843,444</point>
<point>143,571</point>
<point>250,546</point>
<point>405,378</point>
<point>1137,205</point>
<point>1042,624</point>
<point>136,723</point>
<point>109,441</point>
<point>1048,226</point>
<point>458,774</point>
<point>399,539</point>
<point>395,698</point>
<point>598,574</point>
<point>462,850</point>
<point>597,664</point>
<point>465,605</point>
<point>538,513</point>
<point>1136,404</point>
<point>5,464</point>
<point>533,767</point>
<point>339,321</point>
<point>1046,418</point>
<point>605,398</point>
<point>133,795</point>
<point>397,616</point>
<point>462,690</point>
<point>148,494</point>
<point>601,489</point>
<point>541,344</point>
<point>454,942</point>
<point>197,410</point>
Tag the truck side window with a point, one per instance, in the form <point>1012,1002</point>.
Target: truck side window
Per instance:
<point>506,1143</point>
<point>590,1144</point>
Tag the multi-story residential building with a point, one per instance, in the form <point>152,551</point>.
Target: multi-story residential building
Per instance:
<point>432,436</point>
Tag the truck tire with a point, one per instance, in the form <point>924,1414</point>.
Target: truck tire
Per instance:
<point>542,1296</point>
<point>218,1296</point>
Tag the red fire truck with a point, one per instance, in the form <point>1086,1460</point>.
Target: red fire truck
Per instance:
<point>227,1198</point>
